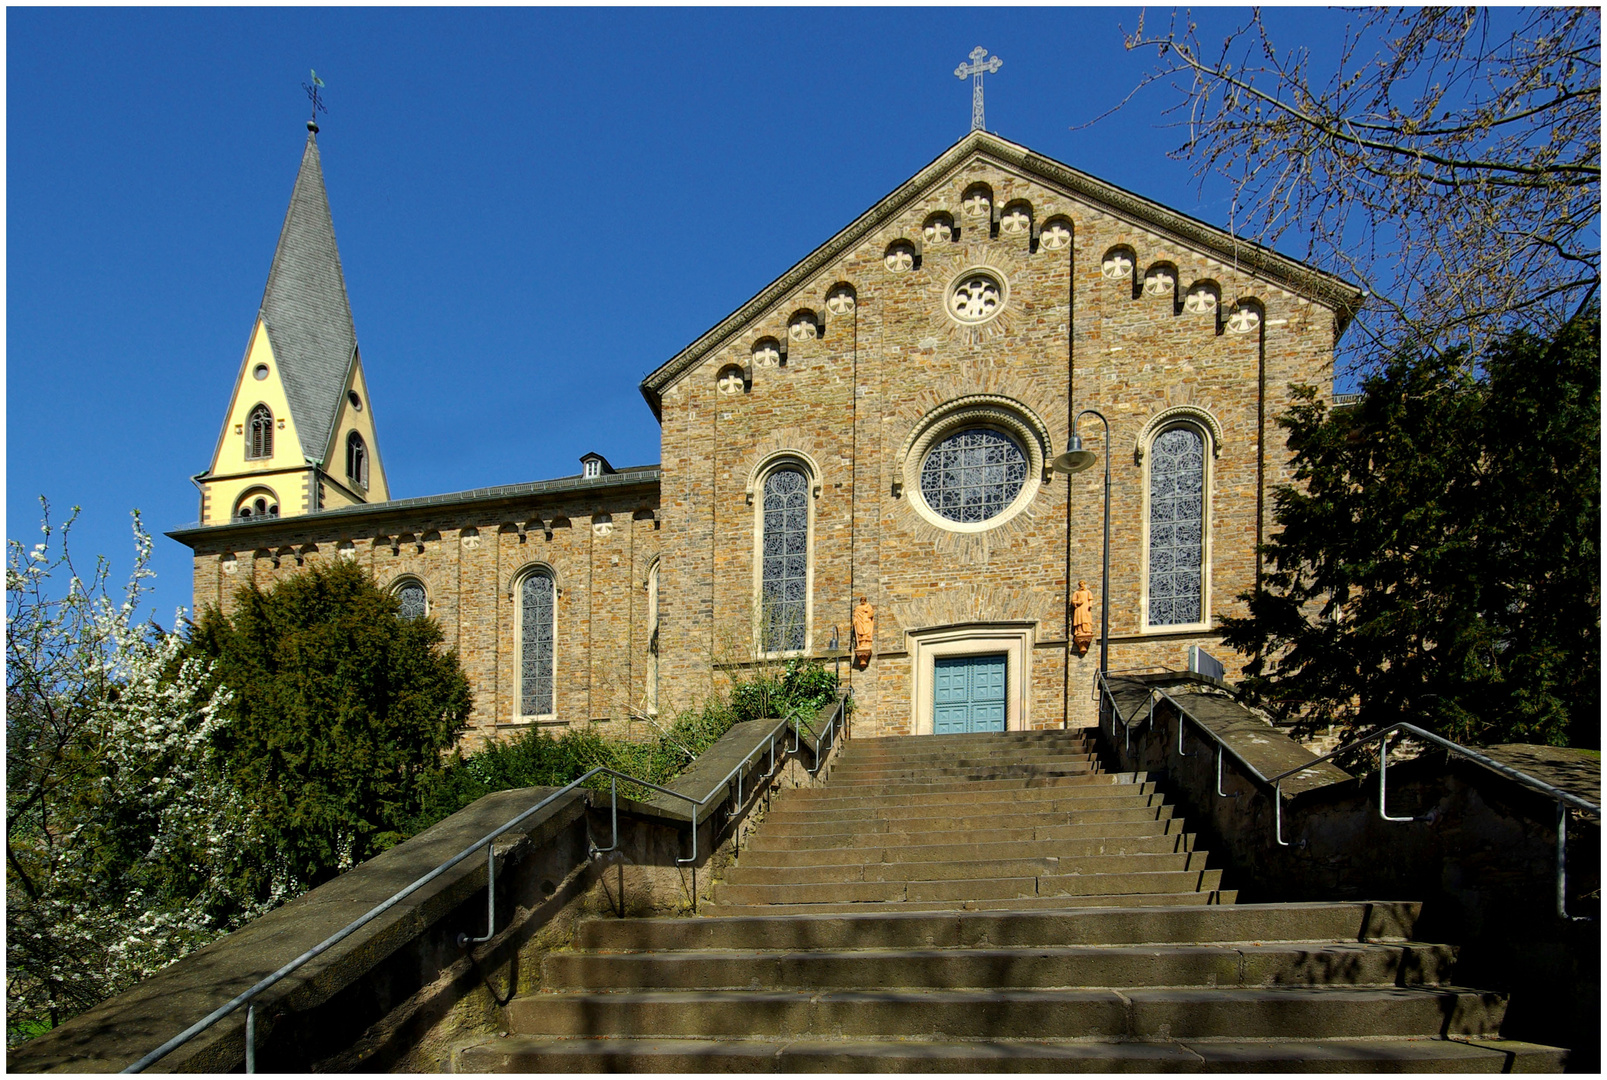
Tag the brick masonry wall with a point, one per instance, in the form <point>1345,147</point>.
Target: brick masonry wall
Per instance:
<point>598,548</point>
<point>849,400</point>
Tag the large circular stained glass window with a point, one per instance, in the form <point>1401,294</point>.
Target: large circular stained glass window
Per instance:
<point>973,475</point>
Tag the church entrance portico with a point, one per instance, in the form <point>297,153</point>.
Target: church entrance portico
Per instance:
<point>970,678</point>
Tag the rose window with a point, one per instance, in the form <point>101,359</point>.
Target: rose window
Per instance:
<point>975,298</point>
<point>973,475</point>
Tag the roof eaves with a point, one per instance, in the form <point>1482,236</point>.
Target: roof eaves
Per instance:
<point>632,476</point>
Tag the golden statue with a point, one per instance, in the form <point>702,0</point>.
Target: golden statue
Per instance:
<point>1082,618</point>
<point>864,631</point>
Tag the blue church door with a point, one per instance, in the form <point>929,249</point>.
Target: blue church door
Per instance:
<point>968,694</point>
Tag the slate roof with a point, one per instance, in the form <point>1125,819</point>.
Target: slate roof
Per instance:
<point>305,309</point>
<point>506,493</point>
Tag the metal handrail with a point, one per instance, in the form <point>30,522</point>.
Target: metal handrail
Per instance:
<point>488,842</point>
<point>1564,799</point>
<point>826,739</point>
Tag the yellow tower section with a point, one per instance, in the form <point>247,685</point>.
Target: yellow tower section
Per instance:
<point>299,435</point>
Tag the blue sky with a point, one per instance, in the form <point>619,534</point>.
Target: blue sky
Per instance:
<point>535,208</point>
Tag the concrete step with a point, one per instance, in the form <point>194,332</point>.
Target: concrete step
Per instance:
<point>942,869</point>
<point>800,837</point>
<point>1370,920</point>
<point>846,799</point>
<point>1007,815</point>
<point>1072,779</point>
<point>915,852</point>
<point>1247,1012</point>
<point>928,807</point>
<point>1161,881</point>
<point>1016,905</point>
<point>524,1053</point>
<point>1064,967</point>
<point>964,770</point>
<point>987,740</point>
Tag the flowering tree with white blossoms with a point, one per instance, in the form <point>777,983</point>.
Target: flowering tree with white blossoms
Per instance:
<point>124,831</point>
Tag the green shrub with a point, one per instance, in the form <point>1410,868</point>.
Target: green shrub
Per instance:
<point>340,715</point>
<point>537,758</point>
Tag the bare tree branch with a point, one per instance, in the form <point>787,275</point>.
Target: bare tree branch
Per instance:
<point>1451,162</point>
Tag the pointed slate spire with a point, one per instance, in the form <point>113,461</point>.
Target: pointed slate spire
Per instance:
<point>305,310</point>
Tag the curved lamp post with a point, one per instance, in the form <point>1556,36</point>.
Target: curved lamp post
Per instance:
<point>1076,460</point>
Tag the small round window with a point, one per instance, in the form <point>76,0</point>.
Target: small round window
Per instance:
<point>357,402</point>
<point>976,296</point>
<point>973,476</point>
<point>260,372</point>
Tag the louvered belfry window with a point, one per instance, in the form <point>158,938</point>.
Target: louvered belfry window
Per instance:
<point>356,460</point>
<point>259,433</point>
<point>784,597</point>
<point>536,615</point>
<point>1176,527</point>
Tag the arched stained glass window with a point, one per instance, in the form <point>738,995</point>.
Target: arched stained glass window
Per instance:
<point>784,595</point>
<point>1176,527</point>
<point>414,604</point>
<point>973,475</point>
<point>537,611</point>
<point>259,433</point>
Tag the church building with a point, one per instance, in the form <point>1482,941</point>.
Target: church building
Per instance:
<point>868,441</point>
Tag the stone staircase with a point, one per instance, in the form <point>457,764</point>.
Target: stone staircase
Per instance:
<point>997,903</point>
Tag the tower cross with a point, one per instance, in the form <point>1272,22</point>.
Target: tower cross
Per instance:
<point>313,96</point>
<point>979,65</point>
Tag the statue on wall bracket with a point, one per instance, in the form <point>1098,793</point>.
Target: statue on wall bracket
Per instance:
<point>1082,618</point>
<point>864,632</point>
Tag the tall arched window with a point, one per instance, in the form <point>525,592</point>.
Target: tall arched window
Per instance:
<point>537,633</point>
<point>784,561</point>
<point>356,460</point>
<point>651,690</point>
<point>259,433</point>
<point>1177,512</point>
<point>414,600</point>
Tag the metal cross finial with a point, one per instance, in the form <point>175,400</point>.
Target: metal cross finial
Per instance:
<point>312,96</point>
<point>979,65</point>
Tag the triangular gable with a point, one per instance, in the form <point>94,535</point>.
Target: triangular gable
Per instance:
<point>306,312</point>
<point>1334,292</point>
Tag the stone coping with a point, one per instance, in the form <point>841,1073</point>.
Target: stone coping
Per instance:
<point>1246,734</point>
<point>711,766</point>
<point>1578,772</point>
<point>120,1030</point>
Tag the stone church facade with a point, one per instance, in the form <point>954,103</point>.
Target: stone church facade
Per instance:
<point>877,424</point>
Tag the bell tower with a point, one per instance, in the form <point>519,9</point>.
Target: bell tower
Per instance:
<point>299,434</point>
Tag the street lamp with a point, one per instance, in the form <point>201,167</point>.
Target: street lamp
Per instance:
<point>1076,460</point>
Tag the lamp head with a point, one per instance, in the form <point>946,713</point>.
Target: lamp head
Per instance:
<point>1074,460</point>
